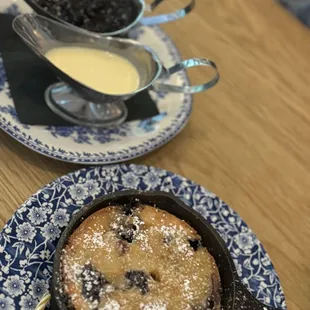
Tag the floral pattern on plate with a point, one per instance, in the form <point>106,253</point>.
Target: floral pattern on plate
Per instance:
<point>28,240</point>
<point>102,146</point>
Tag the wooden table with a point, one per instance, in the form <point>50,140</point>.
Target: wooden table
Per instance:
<point>248,139</point>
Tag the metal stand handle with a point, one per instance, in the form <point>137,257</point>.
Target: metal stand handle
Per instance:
<point>165,18</point>
<point>194,62</point>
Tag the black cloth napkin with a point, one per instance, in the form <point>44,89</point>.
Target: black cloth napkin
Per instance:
<point>28,77</point>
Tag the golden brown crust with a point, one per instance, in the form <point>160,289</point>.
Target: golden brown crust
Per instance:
<point>149,259</point>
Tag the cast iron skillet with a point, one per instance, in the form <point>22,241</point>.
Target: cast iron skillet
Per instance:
<point>235,296</point>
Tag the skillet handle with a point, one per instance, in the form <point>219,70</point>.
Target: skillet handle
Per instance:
<point>246,301</point>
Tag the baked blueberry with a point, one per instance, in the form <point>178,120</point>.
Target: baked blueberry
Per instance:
<point>131,206</point>
<point>92,283</point>
<point>167,239</point>
<point>68,302</point>
<point>138,279</point>
<point>195,244</point>
<point>127,232</point>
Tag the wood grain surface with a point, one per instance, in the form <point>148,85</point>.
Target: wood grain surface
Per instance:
<point>248,139</point>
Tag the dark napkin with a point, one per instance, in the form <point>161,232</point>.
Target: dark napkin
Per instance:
<point>28,77</point>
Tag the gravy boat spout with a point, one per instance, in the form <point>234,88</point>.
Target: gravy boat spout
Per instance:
<point>81,104</point>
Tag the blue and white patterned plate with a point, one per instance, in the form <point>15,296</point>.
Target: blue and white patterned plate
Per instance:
<point>102,146</point>
<point>28,241</point>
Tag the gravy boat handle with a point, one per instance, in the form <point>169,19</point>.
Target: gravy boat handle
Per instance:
<point>165,18</point>
<point>193,62</point>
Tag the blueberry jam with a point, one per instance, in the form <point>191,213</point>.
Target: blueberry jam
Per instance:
<point>92,283</point>
<point>138,279</point>
<point>96,15</point>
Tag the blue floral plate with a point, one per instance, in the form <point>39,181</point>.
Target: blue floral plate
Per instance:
<point>28,240</point>
<point>96,145</point>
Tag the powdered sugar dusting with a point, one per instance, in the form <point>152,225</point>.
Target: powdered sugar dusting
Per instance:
<point>188,292</point>
<point>111,305</point>
<point>95,240</point>
<point>145,242</point>
<point>178,236</point>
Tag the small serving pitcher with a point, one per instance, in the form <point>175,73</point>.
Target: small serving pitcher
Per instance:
<point>141,7</point>
<point>81,104</point>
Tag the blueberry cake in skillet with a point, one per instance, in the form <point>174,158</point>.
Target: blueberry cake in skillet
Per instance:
<point>138,258</point>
